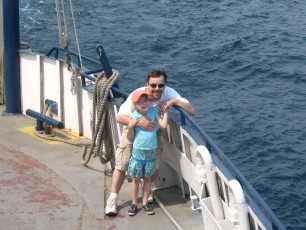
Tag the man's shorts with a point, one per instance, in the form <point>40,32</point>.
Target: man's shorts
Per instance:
<point>124,151</point>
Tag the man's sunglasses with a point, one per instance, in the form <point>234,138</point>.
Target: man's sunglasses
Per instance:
<point>159,85</point>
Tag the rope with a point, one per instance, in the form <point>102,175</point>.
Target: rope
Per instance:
<point>58,134</point>
<point>100,132</point>
<point>65,41</point>
<point>2,86</point>
<point>64,16</point>
<point>53,137</point>
<point>74,75</point>
<point>58,19</point>
<point>75,34</point>
<point>63,36</point>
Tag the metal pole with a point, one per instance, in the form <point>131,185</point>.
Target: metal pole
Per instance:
<point>11,56</point>
<point>2,98</point>
<point>1,25</point>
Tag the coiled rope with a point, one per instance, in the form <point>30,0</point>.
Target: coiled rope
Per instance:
<point>56,136</point>
<point>100,127</point>
<point>60,135</point>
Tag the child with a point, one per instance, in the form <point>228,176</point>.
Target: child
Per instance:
<point>142,162</point>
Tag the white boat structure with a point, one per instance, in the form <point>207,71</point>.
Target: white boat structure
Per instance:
<point>220,196</point>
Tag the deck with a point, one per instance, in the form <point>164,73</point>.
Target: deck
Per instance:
<point>43,186</point>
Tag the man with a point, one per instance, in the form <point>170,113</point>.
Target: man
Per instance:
<point>160,95</point>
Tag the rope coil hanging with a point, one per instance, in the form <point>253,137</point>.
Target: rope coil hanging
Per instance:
<point>100,127</point>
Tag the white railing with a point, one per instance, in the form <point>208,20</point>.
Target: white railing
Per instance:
<point>193,164</point>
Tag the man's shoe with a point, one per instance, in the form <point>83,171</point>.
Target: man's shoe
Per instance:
<point>132,210</point>
<point>111,207</point>
<point>151,199</point>
<point>148,209</point>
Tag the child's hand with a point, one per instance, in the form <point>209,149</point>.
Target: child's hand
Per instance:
<point>133,121</point>
<point>165,105</point>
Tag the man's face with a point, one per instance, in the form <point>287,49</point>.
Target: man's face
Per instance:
<point>155,87</point>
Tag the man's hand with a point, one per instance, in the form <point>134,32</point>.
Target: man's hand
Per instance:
<point>146,123</point>
<point>165,105</point>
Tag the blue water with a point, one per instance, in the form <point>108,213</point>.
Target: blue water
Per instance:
<point>242,64</point>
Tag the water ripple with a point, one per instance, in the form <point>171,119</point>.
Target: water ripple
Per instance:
<point>240,63</point>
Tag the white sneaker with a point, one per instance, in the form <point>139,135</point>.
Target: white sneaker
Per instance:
<point>151,199</point>
<point>111,207</point>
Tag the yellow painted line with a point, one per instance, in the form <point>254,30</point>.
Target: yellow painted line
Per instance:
<point>31,131</point>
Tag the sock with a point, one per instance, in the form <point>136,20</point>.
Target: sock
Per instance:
<point>113,195</point>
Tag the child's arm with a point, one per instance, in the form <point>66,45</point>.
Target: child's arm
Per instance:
<point>132,123</point>
<point>163,120</point>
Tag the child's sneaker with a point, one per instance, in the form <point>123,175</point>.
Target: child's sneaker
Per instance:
<point>132,210</point>
<point>148,209</point>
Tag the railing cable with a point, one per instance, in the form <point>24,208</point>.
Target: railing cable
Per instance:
<point>76,36</point>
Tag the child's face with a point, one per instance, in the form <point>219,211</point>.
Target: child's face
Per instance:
<point>143,104</point>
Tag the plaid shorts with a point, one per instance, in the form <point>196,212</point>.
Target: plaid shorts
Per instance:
<point>124,151</point>
<point>142,163</point>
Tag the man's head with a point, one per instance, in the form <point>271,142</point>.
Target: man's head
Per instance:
<point>156,81</point>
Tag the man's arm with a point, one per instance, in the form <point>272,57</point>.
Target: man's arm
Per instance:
<point>185,105</point>
<point>144,123</point>
<point>123,119</point>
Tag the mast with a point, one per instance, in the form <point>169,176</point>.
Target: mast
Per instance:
<point>1,25</point>
<point>11,56</point>
<point>2,100</point>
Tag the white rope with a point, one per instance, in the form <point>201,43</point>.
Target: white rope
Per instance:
<point>54,137</point>
<point>62,35</point>
<point>58,19</point>
<point>75,73</point>
<point>64,41</point>
<point>64,16</point>
<point>76,36</point>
